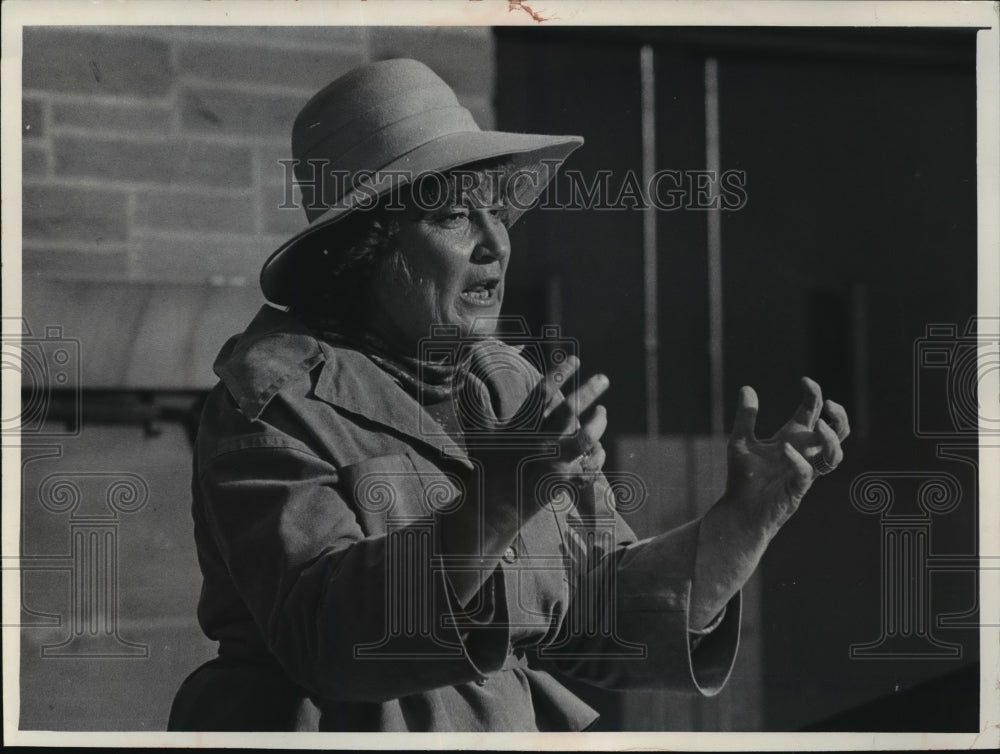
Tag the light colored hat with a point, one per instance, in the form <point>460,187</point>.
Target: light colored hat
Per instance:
<point>391,121</point>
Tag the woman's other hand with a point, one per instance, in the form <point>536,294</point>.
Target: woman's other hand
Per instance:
<point>767,479</point>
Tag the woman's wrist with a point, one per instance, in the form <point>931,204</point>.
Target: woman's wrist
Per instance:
<point>730,545</point>
<point>749,521</point>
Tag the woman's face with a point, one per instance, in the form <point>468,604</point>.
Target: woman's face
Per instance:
<point>455,260</point>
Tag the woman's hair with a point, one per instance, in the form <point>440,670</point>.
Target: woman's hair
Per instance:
<point>353,252</point>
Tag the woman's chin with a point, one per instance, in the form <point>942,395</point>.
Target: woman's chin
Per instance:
<point>477,320</point>
<point>483,324</point>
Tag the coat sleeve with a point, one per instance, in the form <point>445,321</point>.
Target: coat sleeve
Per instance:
<point>627,626</point>
<point>349,616</point>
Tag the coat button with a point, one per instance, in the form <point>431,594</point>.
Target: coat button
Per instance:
<point>510,555</point>
<point>480,681</point>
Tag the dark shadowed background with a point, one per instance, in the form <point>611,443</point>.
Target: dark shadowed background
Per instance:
<point>151,196</point>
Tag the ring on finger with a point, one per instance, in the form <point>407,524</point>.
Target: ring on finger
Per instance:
<point>821,465</point>
<point>584,446</point>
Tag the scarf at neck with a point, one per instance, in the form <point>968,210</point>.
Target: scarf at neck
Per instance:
<point>474,387</point>
<point>427,381</point>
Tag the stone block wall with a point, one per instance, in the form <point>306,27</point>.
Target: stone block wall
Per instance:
<point>150,154</point>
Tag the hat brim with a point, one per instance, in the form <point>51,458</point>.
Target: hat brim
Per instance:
<point>541,155</point>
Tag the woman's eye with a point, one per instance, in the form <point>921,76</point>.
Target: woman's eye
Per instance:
<point>453,219</point>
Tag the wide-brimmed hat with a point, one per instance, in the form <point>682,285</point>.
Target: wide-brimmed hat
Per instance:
<point>388,123</point>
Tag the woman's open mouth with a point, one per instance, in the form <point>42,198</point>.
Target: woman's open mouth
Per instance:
<point>481,294</point>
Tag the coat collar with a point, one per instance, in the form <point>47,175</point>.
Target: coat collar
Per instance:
<point>276,348</point>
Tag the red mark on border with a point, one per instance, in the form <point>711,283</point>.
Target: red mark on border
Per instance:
<point>513,5</point>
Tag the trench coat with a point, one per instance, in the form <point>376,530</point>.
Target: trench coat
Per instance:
<point>317,483</point>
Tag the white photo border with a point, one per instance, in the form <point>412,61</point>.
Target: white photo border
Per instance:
<point>982,15</point>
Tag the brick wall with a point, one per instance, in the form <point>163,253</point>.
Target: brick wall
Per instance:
<point>152,181</point>
<point>151,154</point>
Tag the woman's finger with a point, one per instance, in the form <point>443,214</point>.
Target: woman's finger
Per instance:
<point>812,402</point>
<point>836,417</point>
<point>594,461</point>
<point>830,450</point>
<point>581,399</point>
<point>583,441</point>
<point>592,429</point>
<point>802,472</point>
<point>563,417</point>
<point>553,382</point>
<point>746,416</point>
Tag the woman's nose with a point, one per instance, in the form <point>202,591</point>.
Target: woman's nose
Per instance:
<point>493,241</point>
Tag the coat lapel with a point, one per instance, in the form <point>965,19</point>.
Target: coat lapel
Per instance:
<point>276,348</point>
<point>351,381</point>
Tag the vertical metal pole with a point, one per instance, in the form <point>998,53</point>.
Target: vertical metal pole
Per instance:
<point>651,335</point>
<point>712,161</point>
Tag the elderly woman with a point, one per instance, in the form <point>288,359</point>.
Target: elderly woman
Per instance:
<point>401,522</point>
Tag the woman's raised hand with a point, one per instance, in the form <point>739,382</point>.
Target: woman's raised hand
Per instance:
<point>576,420</point>
<point>562,438</point>
<point>765,483</point>
<point>767,478</point>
